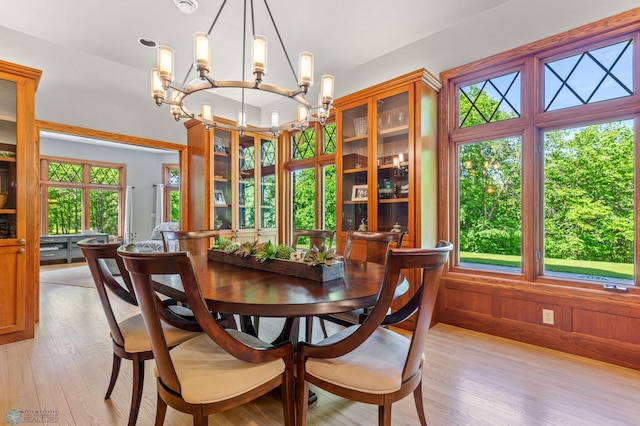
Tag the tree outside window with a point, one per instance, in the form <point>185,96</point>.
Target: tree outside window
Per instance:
<point>80,196</point>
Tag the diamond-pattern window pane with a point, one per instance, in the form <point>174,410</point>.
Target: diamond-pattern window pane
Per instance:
<point>247,158</point>
<point>268,157</point>
<point>329,138</point>
<point>174,177</point>
<point>304,144</point>
<point>104,175</point>
<point>60,172</point>
<point>491,100</point>
<point>588,77</point>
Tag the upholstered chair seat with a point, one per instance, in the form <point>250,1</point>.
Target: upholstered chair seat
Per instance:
<point>209,374</point>
<point>136,339</point>
<point>374,367</point>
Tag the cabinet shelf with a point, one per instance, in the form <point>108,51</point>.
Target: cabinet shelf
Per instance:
<point>7,211</point>
<point>7,118</point>
<point>7,159</point>
<point>354,202</point>
<point>359,170</point>
<point>354,138</point>
<point>392,200</point>
<point>391,166</point>
<point>394,131</point>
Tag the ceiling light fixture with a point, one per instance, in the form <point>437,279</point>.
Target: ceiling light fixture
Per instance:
<point>165,91</point>
<point>186,6</point>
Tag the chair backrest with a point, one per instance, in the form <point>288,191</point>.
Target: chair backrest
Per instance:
<point>376,244</point>
<point>317,237</point>
<point>196,242</point>
<point>98,256</point>
<point>141,266</point>
<point>430,263</point>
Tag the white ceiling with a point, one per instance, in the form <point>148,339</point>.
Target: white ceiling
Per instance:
<point>342,34</point>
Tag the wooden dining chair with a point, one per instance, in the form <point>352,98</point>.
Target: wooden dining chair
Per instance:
<point>316,237</point>
<point>368,362</point>
<point>196,242</point>
<point>219,370</point>
<point>128,335</point>
<point>371,247</point>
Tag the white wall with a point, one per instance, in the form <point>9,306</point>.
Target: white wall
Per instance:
<point>144,169</point>
<point>83,90</point>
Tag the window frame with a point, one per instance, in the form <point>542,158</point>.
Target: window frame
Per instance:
<point>168,188</point>
<point>85,185</point>
<point>317,163</point>
<point>531,126</point>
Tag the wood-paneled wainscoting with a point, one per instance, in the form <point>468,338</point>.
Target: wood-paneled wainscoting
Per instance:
<point>591,322</point>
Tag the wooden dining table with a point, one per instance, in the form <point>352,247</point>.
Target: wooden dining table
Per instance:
<point>231,289</point>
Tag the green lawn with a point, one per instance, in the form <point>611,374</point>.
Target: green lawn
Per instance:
<point>601,269</point>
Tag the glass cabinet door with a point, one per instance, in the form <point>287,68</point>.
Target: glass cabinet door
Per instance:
<point>267,228</point>
<point>246,183</point>
<point>392,148</point>
<point>222,188</point>
<point>8,153</point>
<point>355,157</point>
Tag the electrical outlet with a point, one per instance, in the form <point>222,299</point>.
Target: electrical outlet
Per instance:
<point>547,316</point>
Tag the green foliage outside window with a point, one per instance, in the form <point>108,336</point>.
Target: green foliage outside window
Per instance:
<point>589,209</point>
<point>304,199</point>
<point>65,211</point>
<point>490,213</point>
<point>175,206</point>
<point>103,215</point>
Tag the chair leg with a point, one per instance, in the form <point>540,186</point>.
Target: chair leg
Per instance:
<point>288,398</point>
<point>200,419</point>
<point>161,411</point>
<point>323,327</point>
<point>302,395</point>
<point>417,396</point>
<point>384,414</point>
<point>136,394</point>
<point>115,369</point>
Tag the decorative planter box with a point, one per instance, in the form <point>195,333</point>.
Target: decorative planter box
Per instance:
<point>319,273</point>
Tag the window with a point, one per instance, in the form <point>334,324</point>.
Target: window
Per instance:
<point>79,196</point>
<point>171,181</point>
<point>543,148</point>
<point>313,177</point>
<point>268,183</point>
<point>490,212</point>
<point>588,198</point>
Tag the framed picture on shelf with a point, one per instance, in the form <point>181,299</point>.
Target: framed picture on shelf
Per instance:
<point>218,197</point>
<point>218,145</point>
<point>359,193</point>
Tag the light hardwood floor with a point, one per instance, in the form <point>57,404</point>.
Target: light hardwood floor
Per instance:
<point>470,379</point>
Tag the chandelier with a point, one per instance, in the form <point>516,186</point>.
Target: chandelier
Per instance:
<point>166,91</point>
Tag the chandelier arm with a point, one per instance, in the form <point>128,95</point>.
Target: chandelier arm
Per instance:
<point>284,49</point>
<point>244,52</point>
<point>217,16</point>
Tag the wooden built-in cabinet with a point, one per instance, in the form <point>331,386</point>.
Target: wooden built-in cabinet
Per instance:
<point>387,159</point>
<point>19,176</point>
<point>387,163</point>
<point>232,182</point>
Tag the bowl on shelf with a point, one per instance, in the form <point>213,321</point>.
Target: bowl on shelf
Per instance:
<point>3,200</point>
